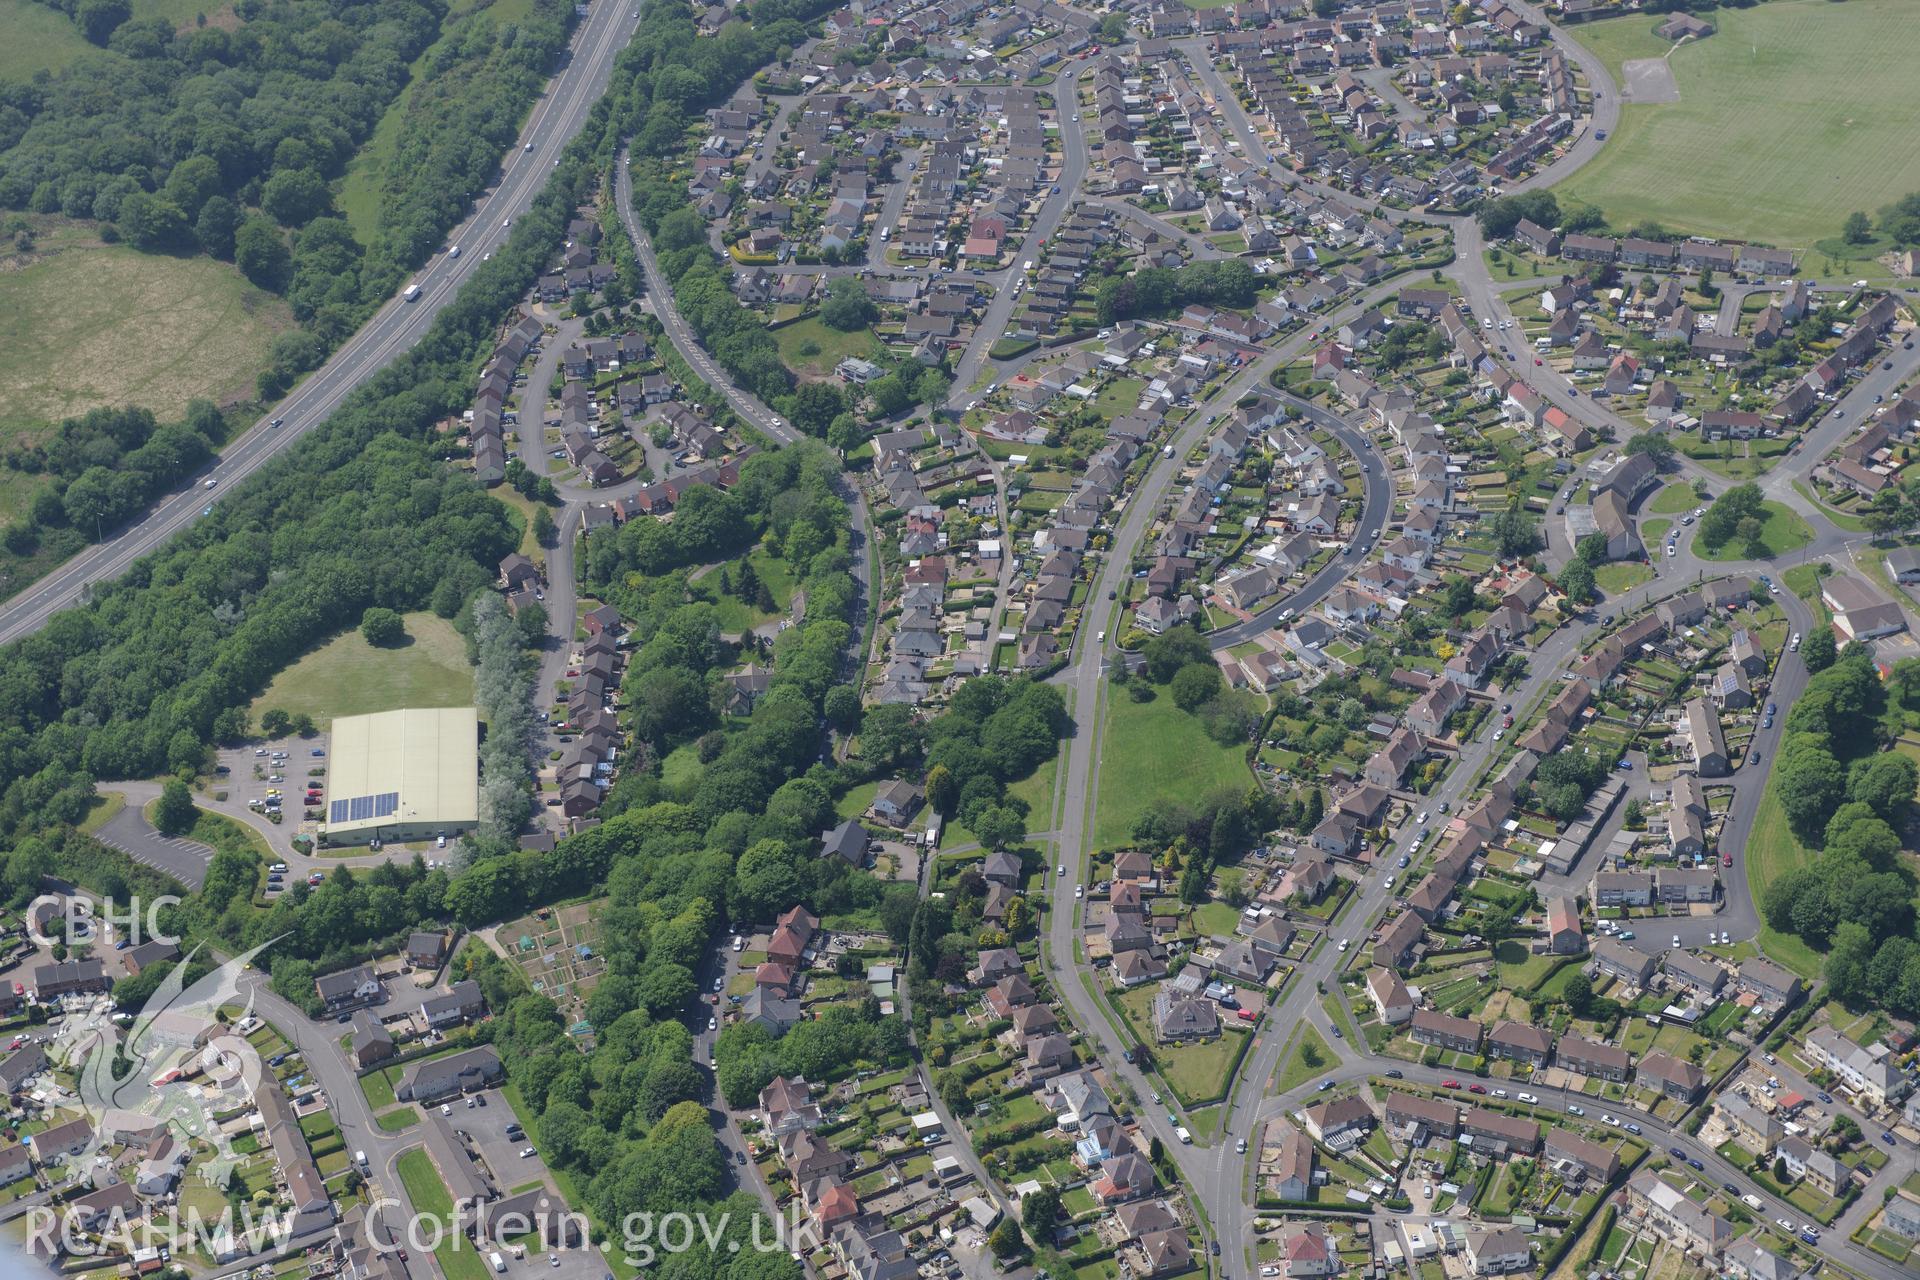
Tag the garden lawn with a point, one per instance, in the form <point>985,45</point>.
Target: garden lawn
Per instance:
<point>1217,919</point>
<point>1782,531</point>
<point>1118,398</point>
<point>1796,98</point>
<point>1155,751</point>
<point>1199,1072</point>
<point>349,677</point>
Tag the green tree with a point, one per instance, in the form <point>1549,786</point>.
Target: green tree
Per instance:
<point>1817,650</point>
<point>1193,883</point>
<point>99,19</point>
<point>1515,534</point>
<point>999,826</point>
<point>1178,647</point>
<point>261,253</point>
<point>1856,229</point>
<point>1195,684</point>
<point>1577,581</point>
<point>1038,1212</point>
<point>943,793</point>
<point>1655,445</point>
<point>173,812</point>
<point>295,197</point>
<point>1722,520</point>
<point>847,306</point>
<point>1846,966</point>
<point>214,227</point>
<point>1005,1240</point>
<point>382,628</point>
<point>274,722</point>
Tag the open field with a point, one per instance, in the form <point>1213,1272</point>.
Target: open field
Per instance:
<point>349,677</point>
<point>1156,751</point>
<point>38,38</point>
<point>84,324</point>
<point>1618,41</point>
<point>812,346</point>
<point>1789,98</point>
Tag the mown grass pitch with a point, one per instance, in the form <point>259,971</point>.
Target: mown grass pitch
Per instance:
<point>1790,116</point>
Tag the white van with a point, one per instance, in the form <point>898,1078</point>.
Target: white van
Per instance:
<point>1182,1134</point>
<point>498,1263</point>
<point>886,233</point>
<point>411,293</point>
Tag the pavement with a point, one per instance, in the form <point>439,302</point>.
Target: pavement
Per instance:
<point>559,114</point>
<point>1065,192</point>
<point>1218,1179</point>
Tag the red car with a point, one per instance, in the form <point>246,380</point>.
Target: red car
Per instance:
<point>1476,1088</point>
<point>1726,859</point>
<point>1449,1084</point>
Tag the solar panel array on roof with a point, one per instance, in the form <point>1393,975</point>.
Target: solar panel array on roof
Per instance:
<point>360,808</point>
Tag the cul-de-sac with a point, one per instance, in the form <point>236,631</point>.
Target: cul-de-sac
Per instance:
<point>959,640</point>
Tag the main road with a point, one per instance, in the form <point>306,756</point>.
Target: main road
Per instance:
<point>561,112</point>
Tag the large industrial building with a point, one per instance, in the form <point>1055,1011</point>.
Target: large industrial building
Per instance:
<point>403,775</point>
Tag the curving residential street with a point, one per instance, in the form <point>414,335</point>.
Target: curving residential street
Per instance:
<point>1220,1179</point>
